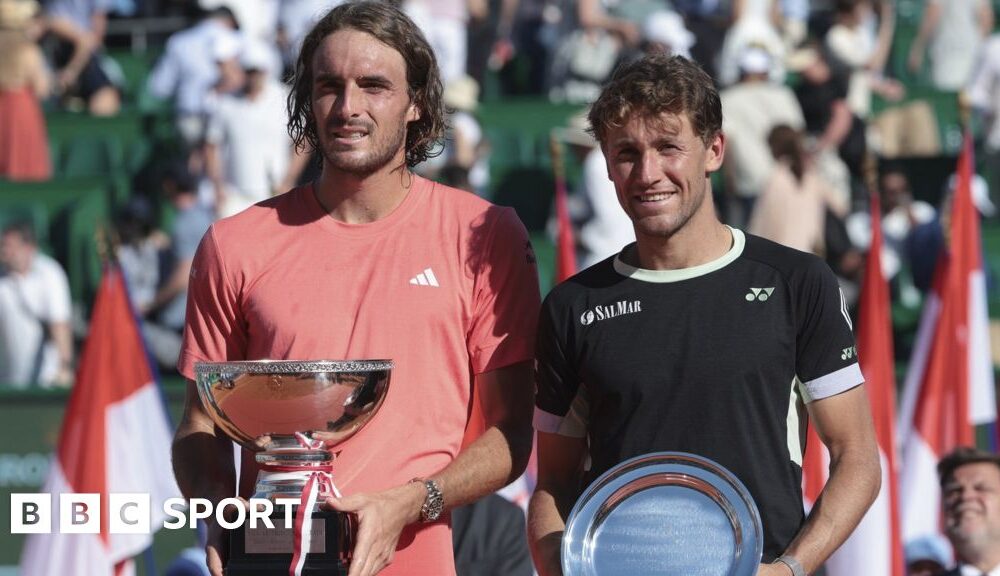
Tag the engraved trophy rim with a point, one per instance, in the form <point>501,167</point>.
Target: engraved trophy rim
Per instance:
<point>292,366</point>
<point>703,478</point>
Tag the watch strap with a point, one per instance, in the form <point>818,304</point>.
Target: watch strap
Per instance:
<point>793,564</point>
<point>433,504</point>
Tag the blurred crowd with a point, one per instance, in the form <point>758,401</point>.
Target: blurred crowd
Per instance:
<point>809,98</point>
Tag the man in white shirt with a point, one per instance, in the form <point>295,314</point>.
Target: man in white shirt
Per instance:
<point>970,496</point>
<point>249,153</point>
<point>751,109</point>
<point>36,344</point>
<point>984,95</point>
<point>187,76</point>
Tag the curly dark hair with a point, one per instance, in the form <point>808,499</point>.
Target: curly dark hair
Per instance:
<point>657,84</point>
<point>393,28</point>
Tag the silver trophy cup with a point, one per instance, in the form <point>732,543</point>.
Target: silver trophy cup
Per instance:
<point>292,414</point>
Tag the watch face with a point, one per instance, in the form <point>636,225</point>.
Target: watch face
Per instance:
<point>433,503</point>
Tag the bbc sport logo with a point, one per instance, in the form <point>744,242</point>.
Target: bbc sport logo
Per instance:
<point>32,513</point>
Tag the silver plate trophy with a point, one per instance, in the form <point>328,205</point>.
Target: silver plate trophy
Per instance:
<point>292,414</point>
<point>668,513</point>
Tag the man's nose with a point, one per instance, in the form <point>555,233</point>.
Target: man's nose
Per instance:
<point>347,102</point>
<point>648,171</point>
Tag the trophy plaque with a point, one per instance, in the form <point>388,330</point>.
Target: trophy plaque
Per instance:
<point>665,513</point>
<point>292,414</point>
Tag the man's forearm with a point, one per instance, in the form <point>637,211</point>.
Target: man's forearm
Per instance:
<point>62,336</point>
<point>489,463</point>
<point>854,483</point>
<point>203,462</point>
<point>545,530</point>
<point>199,469</point>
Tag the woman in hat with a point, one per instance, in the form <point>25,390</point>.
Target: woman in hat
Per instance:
<point>24,79</point>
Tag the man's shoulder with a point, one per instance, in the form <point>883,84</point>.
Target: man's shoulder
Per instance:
<point>786,261</point>
<point>598,277</point>
<point>471,212</point>
<point>47,267</point>
<point>267,216</point>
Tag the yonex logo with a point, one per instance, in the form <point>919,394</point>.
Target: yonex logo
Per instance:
<point>759,294</point>
<point>848,353</point>
<point>425,278</point>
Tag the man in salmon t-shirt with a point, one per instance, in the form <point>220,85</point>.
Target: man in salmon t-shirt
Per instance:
<point>372,261</point>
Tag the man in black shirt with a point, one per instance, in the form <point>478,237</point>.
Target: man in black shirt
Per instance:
<point>697,338</point>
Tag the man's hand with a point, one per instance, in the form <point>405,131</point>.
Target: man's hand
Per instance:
<point>381,519</point>
<point>217,541</point>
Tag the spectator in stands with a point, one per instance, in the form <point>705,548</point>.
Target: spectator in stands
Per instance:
<point>901,212</point>
<point>36,343</point>
<point>970,498</point>
<point>954,31</point>
<point>751,109</point>
<point>794,188</point>
<point>24,80</point>
<point>83,72</point>
<point>603,227</point>
<point>795,22</point>
<point>984,96</point>
<point>664,33</point>
<point>927,239</point>
<point>927,556</point>
<point>708,21</point>
<point>295,19</point>
<point>623,18</point>
<point>445,25</point>
<point>466,145</point>
<point>852,41</point>
<point>259,23</point>
<point>836,134</point>
<point>187,76</point>
<point>755,23</point>
<point>164,313</point>
<point>138,250</point>
<point>249,153</point>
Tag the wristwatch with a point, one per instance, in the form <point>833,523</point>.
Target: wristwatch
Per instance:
<point>793,564</point>
<point>433,502</point>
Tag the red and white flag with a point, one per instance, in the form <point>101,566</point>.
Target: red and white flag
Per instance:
<point>874,548</point>
<point>949,385</point>
<point>115,438</point>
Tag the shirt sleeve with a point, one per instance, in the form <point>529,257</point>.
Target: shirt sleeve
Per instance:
<point>506,297</point>
<point>213,330</point>
<point>826,356</point>
<point>556,376</point>
<point>163,80</point>
<point>59,305</point>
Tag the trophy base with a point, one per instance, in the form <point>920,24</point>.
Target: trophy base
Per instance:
<point>265,551</point>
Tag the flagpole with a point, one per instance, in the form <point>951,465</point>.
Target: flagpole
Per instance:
<point>565,244</point>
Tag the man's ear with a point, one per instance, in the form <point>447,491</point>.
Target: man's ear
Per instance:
<point>413,113</point>
<point>715,153</point>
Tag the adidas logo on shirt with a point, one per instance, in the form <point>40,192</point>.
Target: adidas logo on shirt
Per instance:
<point>425,278</point>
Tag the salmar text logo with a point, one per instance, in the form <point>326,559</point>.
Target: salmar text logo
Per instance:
<point>602,312</point>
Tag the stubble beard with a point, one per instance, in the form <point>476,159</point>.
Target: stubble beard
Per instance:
<point>666,225</point>
<point>377,157</point>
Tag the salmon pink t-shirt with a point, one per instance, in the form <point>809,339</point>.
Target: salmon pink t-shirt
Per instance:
<point>445,286</point>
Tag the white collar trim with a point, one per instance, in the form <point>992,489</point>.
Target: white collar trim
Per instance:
<point>664,276</point>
